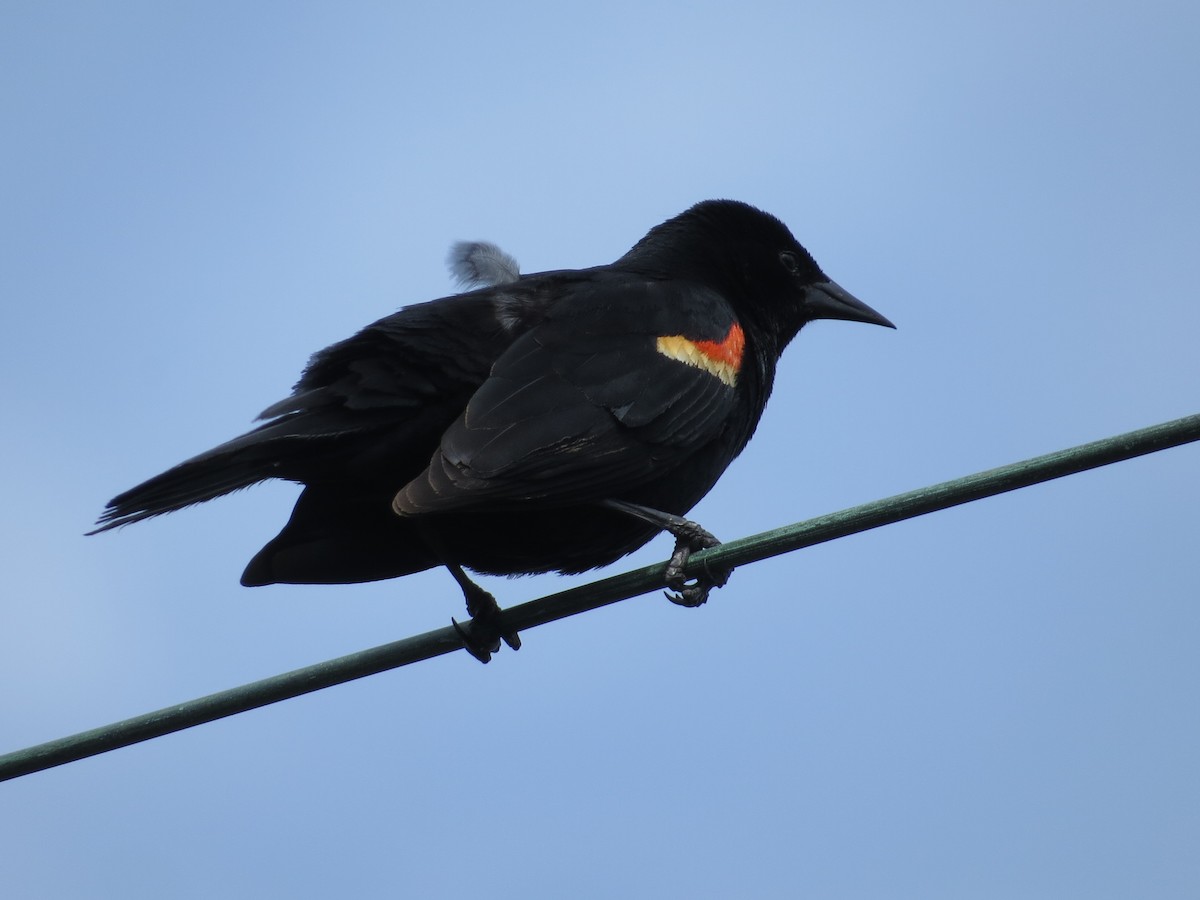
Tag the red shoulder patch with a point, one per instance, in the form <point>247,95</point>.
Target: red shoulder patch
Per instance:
<point>721,358</point>
<point>727,351</point>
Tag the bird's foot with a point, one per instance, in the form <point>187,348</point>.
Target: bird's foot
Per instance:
<point>481,636</point>
<point>689,537</point>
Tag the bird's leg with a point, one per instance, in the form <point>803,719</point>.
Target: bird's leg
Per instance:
<point>689,537</point>
<point>481,636</point>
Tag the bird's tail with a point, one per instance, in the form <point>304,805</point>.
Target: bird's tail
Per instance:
<point>239,463</point>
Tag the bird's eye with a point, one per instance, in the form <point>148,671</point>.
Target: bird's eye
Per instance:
<point>789,262</point>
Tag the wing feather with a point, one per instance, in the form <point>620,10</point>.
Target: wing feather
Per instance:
<point>584,407</point>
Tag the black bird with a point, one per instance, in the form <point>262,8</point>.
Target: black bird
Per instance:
<point>546,422</point>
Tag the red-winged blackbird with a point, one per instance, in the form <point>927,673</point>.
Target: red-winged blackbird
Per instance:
<point>547,422</point>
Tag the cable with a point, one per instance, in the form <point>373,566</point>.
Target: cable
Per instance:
<point>601,593</point>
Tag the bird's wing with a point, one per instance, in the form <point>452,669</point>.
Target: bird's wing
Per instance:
<point>619,385</point>
<point>429,352</point>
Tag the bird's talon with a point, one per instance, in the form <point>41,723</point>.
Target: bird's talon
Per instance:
<point>472,645</point>
<point>482,635</point>
<point>690,596</point>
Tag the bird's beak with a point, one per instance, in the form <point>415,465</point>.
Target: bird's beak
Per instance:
<point>829,300</point>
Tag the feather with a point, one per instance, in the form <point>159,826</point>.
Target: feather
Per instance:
<point>477,264</point>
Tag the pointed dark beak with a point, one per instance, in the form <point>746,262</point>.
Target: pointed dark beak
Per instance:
<point>829,300</point>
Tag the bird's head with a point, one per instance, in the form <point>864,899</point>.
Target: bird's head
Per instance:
<point>751,258</point>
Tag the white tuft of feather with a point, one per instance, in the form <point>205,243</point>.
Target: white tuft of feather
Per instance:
<point>481,264</point>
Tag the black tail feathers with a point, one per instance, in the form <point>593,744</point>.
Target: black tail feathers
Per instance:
<point>204,477</point>
<point>239,463</point>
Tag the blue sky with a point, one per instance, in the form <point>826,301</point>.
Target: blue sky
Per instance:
<point>993,701</point>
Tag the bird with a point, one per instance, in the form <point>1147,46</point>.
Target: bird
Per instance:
<point>546,422</point>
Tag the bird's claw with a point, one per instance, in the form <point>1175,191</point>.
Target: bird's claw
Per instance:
<point>481,636</point>
<point>482,642</point>
<point>691,597</point>
<point>696,592</point>
<point>689,537</point>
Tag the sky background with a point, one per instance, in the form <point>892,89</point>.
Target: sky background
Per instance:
<point>1001,700</point>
